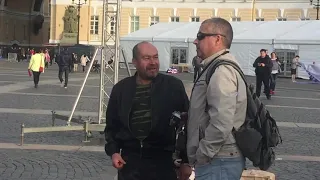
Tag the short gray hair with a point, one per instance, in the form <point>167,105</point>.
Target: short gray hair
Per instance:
<point>223,27</point>
<point>135,50</point>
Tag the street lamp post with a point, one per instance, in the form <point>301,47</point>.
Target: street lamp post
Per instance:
<point>316,6</point>
<point>79,5</point>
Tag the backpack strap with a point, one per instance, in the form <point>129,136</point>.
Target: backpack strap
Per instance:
<point>210,64</point>
<point>219,62</point>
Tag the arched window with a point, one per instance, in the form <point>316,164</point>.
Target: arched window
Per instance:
<point>37,5</point>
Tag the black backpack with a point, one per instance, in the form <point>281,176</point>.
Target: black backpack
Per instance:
<point>259,134</point>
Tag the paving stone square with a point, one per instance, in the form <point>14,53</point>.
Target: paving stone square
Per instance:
<point>63,155</point>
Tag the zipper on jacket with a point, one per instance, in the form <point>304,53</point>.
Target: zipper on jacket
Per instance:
<point>141,141</point>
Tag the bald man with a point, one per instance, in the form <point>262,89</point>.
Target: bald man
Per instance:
<point>216,108</point>
<point>138,119</point>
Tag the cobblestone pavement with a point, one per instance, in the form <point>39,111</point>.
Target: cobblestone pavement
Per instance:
<point>298,103</point>
<point>26,164</point>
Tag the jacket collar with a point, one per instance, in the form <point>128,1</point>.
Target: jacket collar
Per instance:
<point>207,61</point>
<point>155,80</point>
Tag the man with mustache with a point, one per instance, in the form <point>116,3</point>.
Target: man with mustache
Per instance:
<point>139,137</point>
<point>216,107</point>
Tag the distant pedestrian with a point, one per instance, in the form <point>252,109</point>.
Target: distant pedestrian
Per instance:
<point>65,60</point>
<point>36,65</point>
<point>294,65</point>
<point>47,58</point>
<point>84,60</point>
<point>75,63</point>
<point>263,67</point>
<point>276,68</point>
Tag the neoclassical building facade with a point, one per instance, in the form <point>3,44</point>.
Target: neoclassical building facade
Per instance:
<point>138,14</point>
<point>17,22</point>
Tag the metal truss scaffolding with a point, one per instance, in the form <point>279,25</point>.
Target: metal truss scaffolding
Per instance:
<point>111,51</point>
<point>109,73</point>
<point>110,56</point>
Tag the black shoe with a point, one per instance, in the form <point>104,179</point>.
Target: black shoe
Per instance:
<point>36,86</point>
<point>269,97</point>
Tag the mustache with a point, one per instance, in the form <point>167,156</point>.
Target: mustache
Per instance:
<point>152,67</point>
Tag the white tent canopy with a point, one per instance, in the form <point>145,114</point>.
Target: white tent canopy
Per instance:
<point>308,33</point>
<point>268,31</point>
<point>300,37</point>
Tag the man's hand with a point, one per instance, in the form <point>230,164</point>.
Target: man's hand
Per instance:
<point>184,172</point>
<point>262,64</point>
<point>117,161</point>
<point>259,64</point>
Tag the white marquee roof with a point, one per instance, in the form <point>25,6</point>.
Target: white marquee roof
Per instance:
<point>284,32</point>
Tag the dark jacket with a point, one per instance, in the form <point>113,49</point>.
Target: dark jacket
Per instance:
<point>65,59</point>
<point>266,70</point>
<point>167,95</point>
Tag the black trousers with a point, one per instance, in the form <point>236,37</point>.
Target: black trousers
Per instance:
<point>65,70</point>
<point>263,78</point>
<point>142,168</point>
<point>36,77</point>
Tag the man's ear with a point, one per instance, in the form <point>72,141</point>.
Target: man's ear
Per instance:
<point>134,62</point>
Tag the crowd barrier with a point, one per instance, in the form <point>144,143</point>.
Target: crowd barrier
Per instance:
<point>85,125</point>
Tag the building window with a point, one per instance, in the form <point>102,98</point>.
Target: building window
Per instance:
<point>236,19</point>
<point>305,19</point>
<point>154,20</point>
<point>179,55</point>
<point>37,5</point>
<point>134,23</point>
<point>259,19</point>
<point>112,25</point>
<point>94,25</point>
<point>282,19</point>
<point>175,19</point>
<point>195,19</point>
